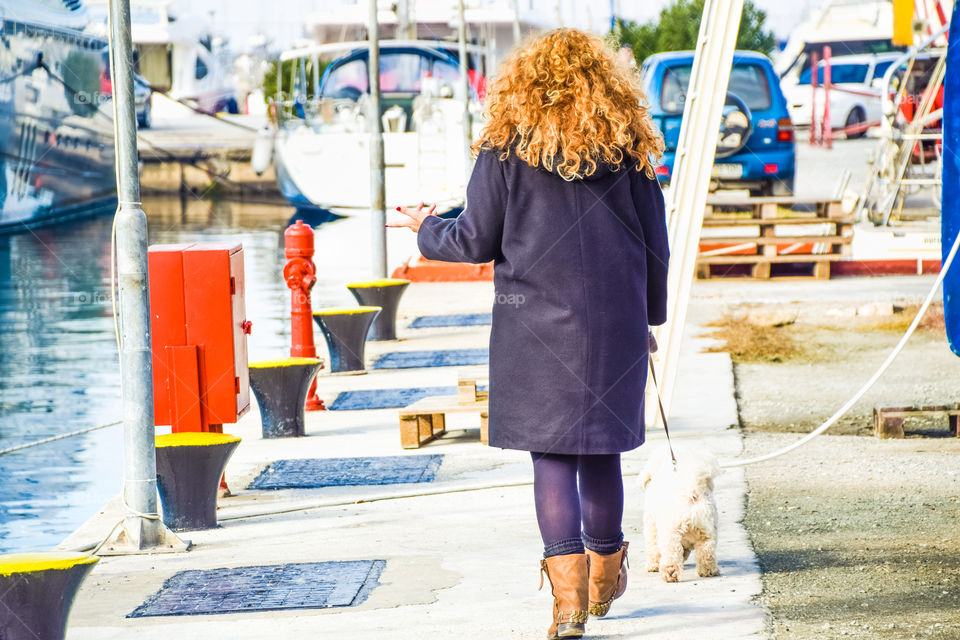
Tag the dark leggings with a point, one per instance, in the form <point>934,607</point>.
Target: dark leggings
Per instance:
<point>571,518</point>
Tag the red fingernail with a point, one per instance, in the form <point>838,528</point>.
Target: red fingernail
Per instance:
<point>398,208</point>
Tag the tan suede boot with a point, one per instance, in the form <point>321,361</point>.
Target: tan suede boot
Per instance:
<point>608,579</point>
<point>568,576</point>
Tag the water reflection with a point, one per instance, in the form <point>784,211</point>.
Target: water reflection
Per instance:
<point>58,355</point>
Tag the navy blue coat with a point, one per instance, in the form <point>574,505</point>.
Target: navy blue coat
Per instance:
<point>580,271</point>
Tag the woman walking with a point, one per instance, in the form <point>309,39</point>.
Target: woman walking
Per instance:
<point>564,200</point>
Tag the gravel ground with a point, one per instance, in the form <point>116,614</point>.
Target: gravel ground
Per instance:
<point>857,537</point>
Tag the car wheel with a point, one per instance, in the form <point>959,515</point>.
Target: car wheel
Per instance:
<point>854,118</point>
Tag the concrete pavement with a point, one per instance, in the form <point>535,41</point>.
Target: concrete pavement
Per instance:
<point>462,552</point>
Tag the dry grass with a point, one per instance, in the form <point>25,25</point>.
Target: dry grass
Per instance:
<point>932,321</point>
<point>749,342</point>
<point>746,342</point>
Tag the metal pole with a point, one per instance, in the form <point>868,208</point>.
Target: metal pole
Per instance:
<point>139,456</point>
<point>405,27</point>
<point>814,78</point>
<point>827,126</point>
<point>378,197</point>
<point>516,22</point>
<point>465,88</point>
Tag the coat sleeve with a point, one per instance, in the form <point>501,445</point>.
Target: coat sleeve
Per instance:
<point>648,199</point>
<point>474,236</point>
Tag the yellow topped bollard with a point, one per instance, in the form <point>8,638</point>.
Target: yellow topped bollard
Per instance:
<point>345,330</point>
<point>385,293</point>
<point>281,387</point>
<point>189,467</point>
<point>37,591</point>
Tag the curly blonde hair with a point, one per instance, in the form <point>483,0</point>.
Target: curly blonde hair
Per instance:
<point>565,103</point>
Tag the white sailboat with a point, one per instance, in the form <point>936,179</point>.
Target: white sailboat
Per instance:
<point>322,135</point>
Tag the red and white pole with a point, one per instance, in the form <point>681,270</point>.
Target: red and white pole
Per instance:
<point>827,128</point>
<point>814,73</point>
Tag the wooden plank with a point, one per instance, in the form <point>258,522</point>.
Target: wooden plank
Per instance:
<point>821,270</point>
<point>409,432</point>
<point>716,200</point>
<point>484,428</point>
<point>887,427</point>
<point>798,257</point>
<point>736,222</point>
<point>776,240</point>
<point>761,270</point>
<point>466,391</point>
<point>425,427</point>
<point>438,425</point>
<point>445,404</point>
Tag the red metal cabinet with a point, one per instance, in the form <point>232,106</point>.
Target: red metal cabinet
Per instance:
<point>198,332</point>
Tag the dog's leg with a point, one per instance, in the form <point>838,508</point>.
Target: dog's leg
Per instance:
<point>671,556</point>
<point>706,549</point>
<point>650,539</point>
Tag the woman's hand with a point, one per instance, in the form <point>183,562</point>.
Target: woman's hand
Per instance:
<point>651,343</point>
<point>415,217</point>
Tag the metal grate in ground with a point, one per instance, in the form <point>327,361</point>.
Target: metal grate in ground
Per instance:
<point>312,585</point>
<point>440,358</point>
<point>385,398</point>
<point>454,320</point>
<point>315,473</point>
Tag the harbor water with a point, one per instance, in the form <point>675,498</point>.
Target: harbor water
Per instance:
<point>59,356</point>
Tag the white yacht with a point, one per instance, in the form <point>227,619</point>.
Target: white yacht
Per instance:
<point>321,143</point>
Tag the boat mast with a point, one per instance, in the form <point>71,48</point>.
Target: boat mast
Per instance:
<point>516,22</point>
<point>378,214</point>
<point>406,28</point>
<point>465,88</point>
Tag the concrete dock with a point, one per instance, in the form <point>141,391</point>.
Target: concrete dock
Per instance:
<point>184,151</point>
<point>461,552</point>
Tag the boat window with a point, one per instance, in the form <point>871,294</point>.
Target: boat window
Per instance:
<point>202,70</point>
<point>448,75</point>
<point>401,72</point>
<point>839,73</point>
<point>349,80</point>
<point>747,81</point>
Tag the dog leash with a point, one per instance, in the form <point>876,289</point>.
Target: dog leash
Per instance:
<point>663,414</point>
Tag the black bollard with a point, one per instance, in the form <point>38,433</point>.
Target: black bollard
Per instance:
<point>345,330</point>
<point>37,591</point>
<point>384,293</point>
<point>281,387</point>
<point>189,468</point>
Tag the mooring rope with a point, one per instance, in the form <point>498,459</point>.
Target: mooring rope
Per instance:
<point>873,379</point>
<point>62,436</point>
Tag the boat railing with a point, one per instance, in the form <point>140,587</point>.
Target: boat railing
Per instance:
<point>908,157</point>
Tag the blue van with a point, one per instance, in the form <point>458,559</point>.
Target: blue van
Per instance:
<point>756,149</point>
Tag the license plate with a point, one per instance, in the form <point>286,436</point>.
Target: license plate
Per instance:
<point>727,170</point>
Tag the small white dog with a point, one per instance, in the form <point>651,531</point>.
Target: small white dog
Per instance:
<point>680,514</point>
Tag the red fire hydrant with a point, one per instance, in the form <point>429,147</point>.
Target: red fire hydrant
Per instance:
<point>300,276</point>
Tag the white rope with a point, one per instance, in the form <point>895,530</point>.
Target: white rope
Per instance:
<point>62,436</point>
<point>873,379</point>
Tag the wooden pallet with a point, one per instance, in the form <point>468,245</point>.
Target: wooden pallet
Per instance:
<point>888,421</point>
<point>426,419</point>
<point>761,251</point>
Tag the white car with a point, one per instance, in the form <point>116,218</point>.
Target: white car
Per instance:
<point>855,86</point>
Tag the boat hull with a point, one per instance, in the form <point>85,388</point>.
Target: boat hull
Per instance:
<point>56,126</point>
